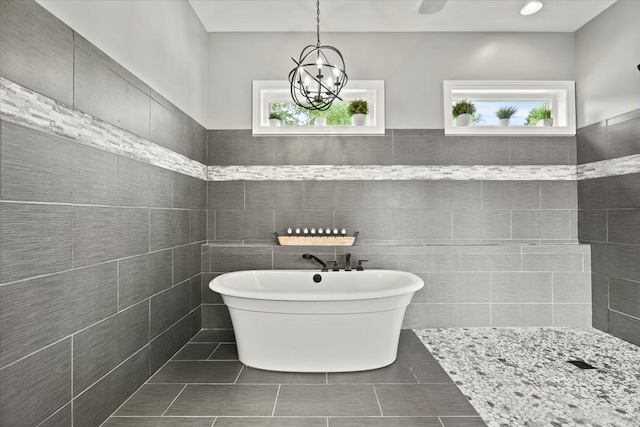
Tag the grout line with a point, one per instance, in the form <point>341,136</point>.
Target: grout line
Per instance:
<point>239,372</point>
<point>176,398</point>
<point>214,350</point>
<point>72,381</point>
<point>441,422</point>
<point>57,411</point>
<point>377,400</point>
<point>214,421</point>
<point>275,402</point>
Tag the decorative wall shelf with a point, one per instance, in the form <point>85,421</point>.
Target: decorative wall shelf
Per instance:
<point>316,240</point>
<point>558,96</point>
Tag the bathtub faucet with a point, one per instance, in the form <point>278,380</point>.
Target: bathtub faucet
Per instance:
<point>316,259</point>
<point>347,261</point>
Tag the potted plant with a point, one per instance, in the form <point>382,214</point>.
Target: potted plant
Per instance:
<point>462,112</point>
<point>505,113</point>
<point>320,121</point>
<point>275,119</point>
<point>358,109</point>
<point>539,116</point>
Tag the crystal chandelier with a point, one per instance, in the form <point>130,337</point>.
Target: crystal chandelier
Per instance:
<point>319,75</point>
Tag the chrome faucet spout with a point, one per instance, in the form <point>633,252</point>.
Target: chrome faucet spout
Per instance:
<point>347,261</point>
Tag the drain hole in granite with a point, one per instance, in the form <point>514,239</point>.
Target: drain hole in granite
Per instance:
<point>581,364</point>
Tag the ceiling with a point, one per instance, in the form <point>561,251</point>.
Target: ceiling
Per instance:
<point>393,15</point>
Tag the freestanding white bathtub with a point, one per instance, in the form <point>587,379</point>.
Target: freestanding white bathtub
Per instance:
<point>287,320</point>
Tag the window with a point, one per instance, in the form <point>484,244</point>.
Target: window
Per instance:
<point>526,96</point>
<point>274,97</point>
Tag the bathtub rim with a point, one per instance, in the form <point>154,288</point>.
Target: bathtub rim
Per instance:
<point>416,284</point>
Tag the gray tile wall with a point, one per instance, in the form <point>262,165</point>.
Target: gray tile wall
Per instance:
<point>397,212</point>
<point>609,220</point>
<point>465,286</point>
<point>396,147</point>
<point>100,254</point>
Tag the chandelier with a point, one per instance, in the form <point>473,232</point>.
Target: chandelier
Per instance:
<point>319,74</point>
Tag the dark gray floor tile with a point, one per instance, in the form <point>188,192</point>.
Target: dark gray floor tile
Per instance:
<point>398,372</point>
<point>168,343</point>
<point>221,400</point>
<point>462,422</point>
<point>36,239</point>
<point>271,422</point>
<point>214,335</point>
<point>327,400</point>
<point>100,400</point>
<point>423,400</point>
<point>37,50</point>
<point>143,276</point>
<point>103,346</point>
<point>150,399</point>
<point>59,305</point>
<point>194,351</point>
<point>37,386</point>
<point>407,336</point>
<point>258,376</point>
<point>197,372</point>
<point>225,352</point>
<point>158,422</point>
<point>62,418</point>
<point>384,422</point>
<point>168,307</point>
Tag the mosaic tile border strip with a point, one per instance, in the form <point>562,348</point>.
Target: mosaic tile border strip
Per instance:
<point>393,173</point>
<point>620,166</point>
<point>27,108</point>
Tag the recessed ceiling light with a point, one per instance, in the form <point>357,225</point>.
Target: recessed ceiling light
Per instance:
<point>531,7</point>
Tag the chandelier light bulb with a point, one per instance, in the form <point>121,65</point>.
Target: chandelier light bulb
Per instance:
<point>319,63</point>
<point>531,7</point>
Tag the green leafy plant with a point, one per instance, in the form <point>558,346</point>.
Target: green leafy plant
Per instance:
<point>536,114</point>
<point>275,116</point>
<point>506,112</point>
<point>463,107</point>
<point>358,106</point>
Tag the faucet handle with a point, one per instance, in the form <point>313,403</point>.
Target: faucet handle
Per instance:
<point>335,266</point>
<point>360,267</point>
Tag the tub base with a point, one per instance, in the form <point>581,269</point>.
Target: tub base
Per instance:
<point>317,342</point>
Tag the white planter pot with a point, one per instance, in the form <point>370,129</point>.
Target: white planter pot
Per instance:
<point>504,122</point>
<point>358,119</point>
<point>547,122</point>
<point>320,121</point>
<point>463,120</point>
<point>274,122</point>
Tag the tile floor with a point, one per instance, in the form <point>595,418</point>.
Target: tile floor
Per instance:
<point>521,377</point>
<point>206,385</point>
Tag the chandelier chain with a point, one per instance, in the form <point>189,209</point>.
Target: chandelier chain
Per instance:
<point>318,21</point>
